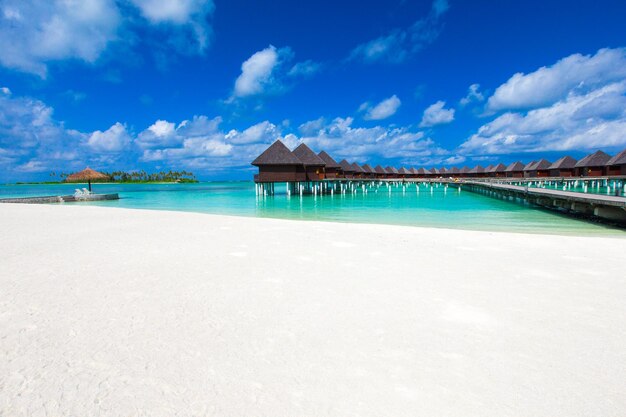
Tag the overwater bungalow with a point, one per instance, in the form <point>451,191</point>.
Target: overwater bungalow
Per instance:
<point>528,168</point>
<point>454,172</point>
<point>346,168</point>
<point>488,169</point>
<point>563,167</point>
<point>464,172</point>
<point>515,170</point>
<point>422,173</point>
<point>443,172</point>
<point>368,171</point>
<point>593,165</point>
<point>380,172</point>
<point>332,168</point>
<point>312,165</point>
<point>498,171</point>
<point>278,164</point>
<point>359,172</point>
<point>392,172</point>
<point>477,172</point>
<point>404,173</point>
<point>617,164</point>
<point>540,169</point>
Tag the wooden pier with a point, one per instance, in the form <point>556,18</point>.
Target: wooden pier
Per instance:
<point>607,207</point>
<point>60,199</point>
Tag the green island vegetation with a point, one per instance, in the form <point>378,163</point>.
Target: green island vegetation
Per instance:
<point>130,177</point>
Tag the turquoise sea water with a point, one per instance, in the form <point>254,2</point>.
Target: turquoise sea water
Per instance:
<point>434,207</point>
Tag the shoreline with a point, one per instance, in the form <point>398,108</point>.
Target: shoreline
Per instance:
<point>610,231</point>
<point>145,312</point>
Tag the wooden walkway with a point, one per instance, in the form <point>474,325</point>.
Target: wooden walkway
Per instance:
<point>597,199</point>
<point>60,199</point>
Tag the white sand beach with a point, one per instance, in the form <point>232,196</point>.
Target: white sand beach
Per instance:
<point>112,312</point>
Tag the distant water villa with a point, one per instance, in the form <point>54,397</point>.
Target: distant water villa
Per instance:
<point>592,187</point>
<point>279,164</point>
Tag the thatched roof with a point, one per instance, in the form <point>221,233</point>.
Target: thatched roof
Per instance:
<point>368,169</point>
<point>357,167</point>
<point>277,154</point>
<point>434,171</point>
<point>489,168</point>
<point>346,166</point>
<point>328,160</point>
<point>464,170</point>
<point>595,159</point>
<point>515,167</point>
<point>403,171</point>
<point>499,168</point>
<point>529,166</point>
<point>541,164</point>
<point>413,171</point>
<point>443,170</point>
<point>619,159</point>
<point>454,170</point>
<point>87,174</point>
<point>379,170</point>
<point>422,171</point>
<point>391,170</point>
<point>564,163</point>
<point>477,170</point>
<point>307,156</point>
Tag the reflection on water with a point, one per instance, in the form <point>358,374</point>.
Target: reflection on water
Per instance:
<point>436,206</point>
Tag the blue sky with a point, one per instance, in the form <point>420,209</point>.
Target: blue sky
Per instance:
<point>206,85</point>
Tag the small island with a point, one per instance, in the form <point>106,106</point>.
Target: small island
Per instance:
<point>124,177</point>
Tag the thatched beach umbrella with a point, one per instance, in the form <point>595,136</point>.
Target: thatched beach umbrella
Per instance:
<point>88,175</point>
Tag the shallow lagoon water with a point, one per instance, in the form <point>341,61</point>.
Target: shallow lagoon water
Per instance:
<point>437,207</point>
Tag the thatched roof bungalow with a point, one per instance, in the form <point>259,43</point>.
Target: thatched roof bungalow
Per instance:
<point>278,164</point>
<point>422,173</point>
<point>563,167</point>
<point>617,164</point>
<point>392,172</point>
<point>403,172</point>
<point>477,171</point>
<point>515,170</point>
<point>528,168</point>
<point>498,171</point>
<point>454,172</point>
<point>464,172</point>
<point>332,168</point>
<point>368,171</point>
<point>346,169</point>
<point>380,172</point>
<point>593,165</point>
<point>358,170</point>
<point>540,168</point>
<point>312,165</point>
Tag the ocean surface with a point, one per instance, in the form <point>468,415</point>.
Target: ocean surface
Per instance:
<point>436,206</point>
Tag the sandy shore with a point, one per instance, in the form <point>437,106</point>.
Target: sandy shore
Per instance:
<point>111,312</point>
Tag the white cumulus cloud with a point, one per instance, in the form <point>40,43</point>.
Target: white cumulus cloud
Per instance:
<point>547,85</point>
<point>33,33</point>
<point>382,110</point>
<point>399,44</point>
<point>437,114</point>
<point>473,95</point>
<point>114,139</point>
<point>256,71</point>
<point>596,119</point>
